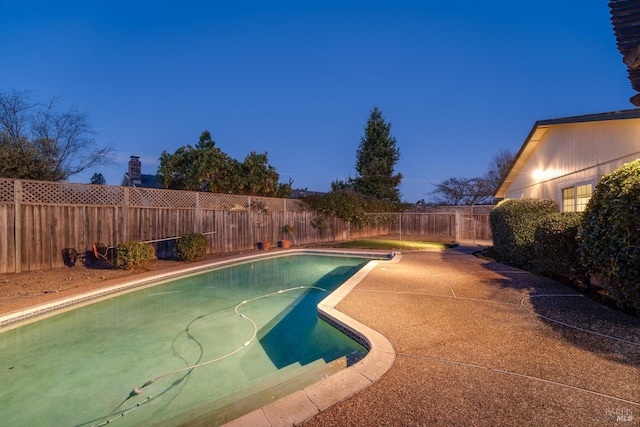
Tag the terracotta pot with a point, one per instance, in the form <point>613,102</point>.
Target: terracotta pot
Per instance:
<point>264,246</point>
<point>284,244</point>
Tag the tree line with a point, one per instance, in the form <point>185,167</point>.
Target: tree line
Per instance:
<point>40,141</point>
<point>206,167</point>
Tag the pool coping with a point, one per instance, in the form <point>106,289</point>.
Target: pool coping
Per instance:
<point>298,406</point>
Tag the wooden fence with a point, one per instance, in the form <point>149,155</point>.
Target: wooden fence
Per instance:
<point>455,225</point>
<point>39,220</point>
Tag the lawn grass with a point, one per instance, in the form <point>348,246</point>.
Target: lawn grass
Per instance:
<point>392,244</point>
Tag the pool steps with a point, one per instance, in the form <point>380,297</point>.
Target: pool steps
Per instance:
<point>303,404</point>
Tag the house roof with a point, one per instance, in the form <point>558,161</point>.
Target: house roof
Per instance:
<point>540,128</point>
<point>625,17</point>
<point>301,194</point>
<point>147,181</point>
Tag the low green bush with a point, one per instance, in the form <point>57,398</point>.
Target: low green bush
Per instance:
<point>513,225</point>
<point>556,246</point>
<point>191,247</point>
<point>133,254</point>
<point>610,234</point>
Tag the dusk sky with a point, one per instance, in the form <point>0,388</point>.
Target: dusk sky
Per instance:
<point>458,81</point>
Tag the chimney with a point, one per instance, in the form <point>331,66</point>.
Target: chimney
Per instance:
<point>135,170</point>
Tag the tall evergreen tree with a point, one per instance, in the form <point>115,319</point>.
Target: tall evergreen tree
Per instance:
<point>376,158</point>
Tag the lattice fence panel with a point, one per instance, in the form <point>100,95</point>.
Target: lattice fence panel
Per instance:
<point>161,198</point>
<point>6,191</point>
<point>294,205</point>
<point>267,203</point>
<point>463,209</point>
<point>61,193</point>
<point>226,202</point>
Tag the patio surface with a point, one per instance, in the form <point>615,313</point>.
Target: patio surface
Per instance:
<point>483,344</point>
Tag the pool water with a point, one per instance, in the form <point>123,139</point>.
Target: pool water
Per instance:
<point>210,346</point>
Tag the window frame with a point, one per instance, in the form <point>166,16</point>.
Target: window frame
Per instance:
<point>576,199</point>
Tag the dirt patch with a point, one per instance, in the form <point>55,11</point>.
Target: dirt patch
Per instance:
<point>22,290</point>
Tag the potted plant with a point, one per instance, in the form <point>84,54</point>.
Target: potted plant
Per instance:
<point>264,246</point>
<point>288,232</point>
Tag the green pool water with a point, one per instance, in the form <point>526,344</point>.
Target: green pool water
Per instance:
<point>251,330</point>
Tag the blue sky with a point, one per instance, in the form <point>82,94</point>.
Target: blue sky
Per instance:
<point>458,81</point>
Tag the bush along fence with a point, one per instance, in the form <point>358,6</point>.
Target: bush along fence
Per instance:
<point>41,223</point>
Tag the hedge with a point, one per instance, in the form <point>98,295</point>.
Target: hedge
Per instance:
<point>610,235</point>
<point>556,247</point>
<point>513,225</point>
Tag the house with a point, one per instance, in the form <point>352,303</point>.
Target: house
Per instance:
<point>563,159</point>
<point>135,178</point>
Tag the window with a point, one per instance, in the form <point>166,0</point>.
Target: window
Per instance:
<point>569,199</point>
<point>574,199</point>
<point>582,197</point>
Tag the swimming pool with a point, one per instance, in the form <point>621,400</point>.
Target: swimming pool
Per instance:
<point>191,340</point>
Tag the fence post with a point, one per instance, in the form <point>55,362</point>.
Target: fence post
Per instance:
<point>125,215</point>
<point>17,201</point>
<point>456,225</point>
<point>250,224</point>
<point>285,218</point>
<point>475,225</point>
<point>196,215</point>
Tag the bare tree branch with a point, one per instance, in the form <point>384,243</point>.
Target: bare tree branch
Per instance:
<point>63,139</point>
<point>15,113</point>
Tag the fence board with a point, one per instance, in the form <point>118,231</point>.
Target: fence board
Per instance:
<point>4,238</point>
<point>7,247</point>
<point>27,237</point>
<point>55,237</point>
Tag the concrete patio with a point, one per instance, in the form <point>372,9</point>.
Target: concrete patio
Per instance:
<point>479,343</point>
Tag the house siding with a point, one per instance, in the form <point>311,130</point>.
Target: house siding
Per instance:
<point>575,154</point>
